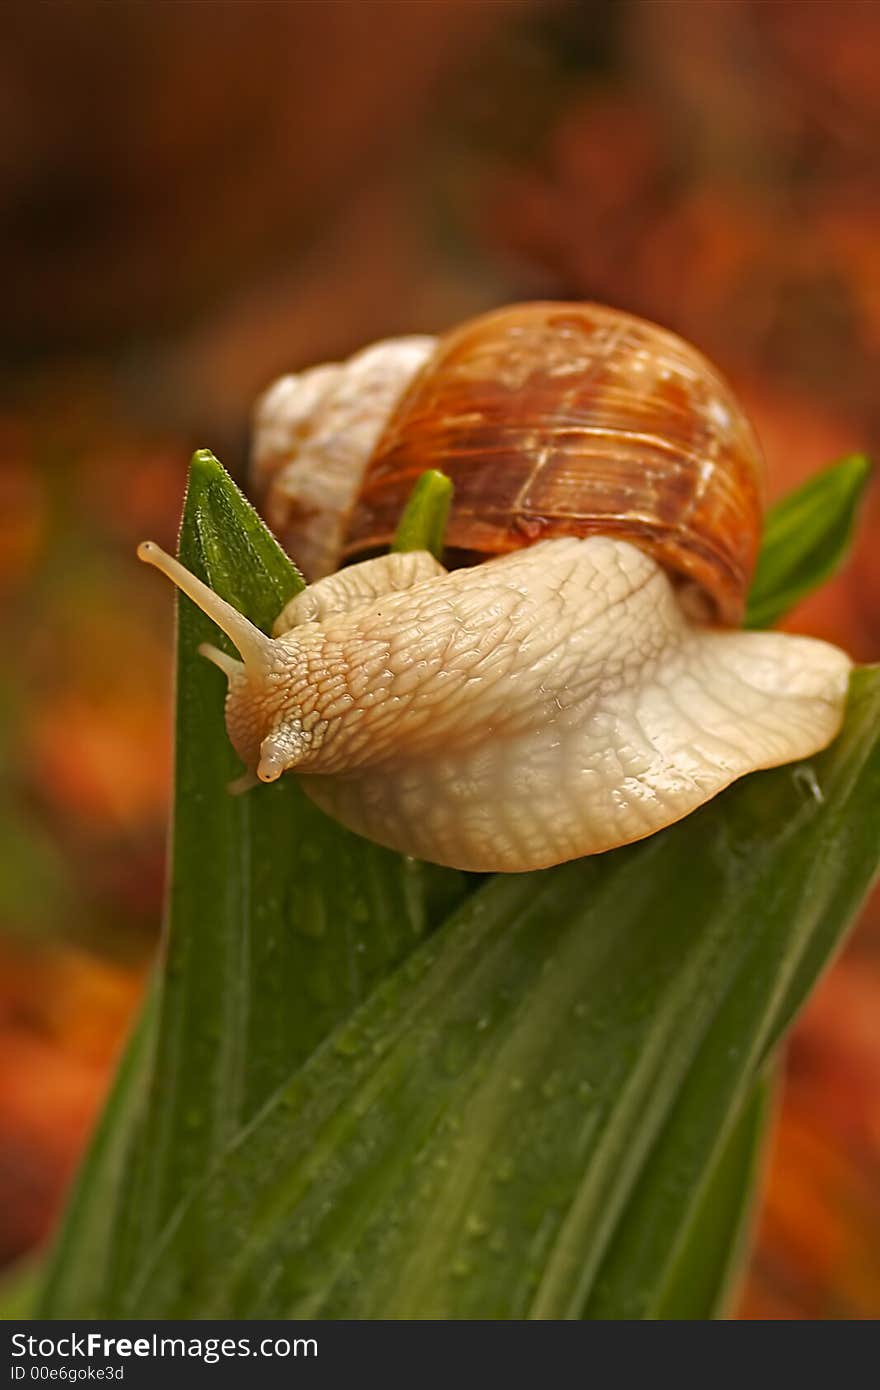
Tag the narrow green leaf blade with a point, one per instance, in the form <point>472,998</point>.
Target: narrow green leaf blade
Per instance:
<point>77,1269</point>
<point>806,538</point>
<point>423,523</point>
<point>250,991</point>
<point>700,1279</point>
<point>279,921</point>
<point>519,1121</point>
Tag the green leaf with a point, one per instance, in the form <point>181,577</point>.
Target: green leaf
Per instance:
<point>423,523</point>
<point>77,1270</point>
<point>526,1114</point>
<point>279,921</point>
<point>714,1242</point>
<point>519,1121</point>
<point>806,538</point>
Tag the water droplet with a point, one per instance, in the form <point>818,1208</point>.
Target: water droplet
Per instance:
<point>515,1083</point>
<point>460,1268</point>
<point>349,1043</point>
<point>476,1226</point>
<point>505,1170</point>
<point>805,780</point>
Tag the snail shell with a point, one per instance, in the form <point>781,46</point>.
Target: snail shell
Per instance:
<point>564,695</point>
<point>551,420</point>
<point>313,434</point>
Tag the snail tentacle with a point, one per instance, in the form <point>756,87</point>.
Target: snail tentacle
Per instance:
<point>547,704</point>
<point>255,647</point>
<point>568,694</point>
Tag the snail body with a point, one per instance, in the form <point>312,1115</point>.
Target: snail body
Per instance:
<point>569,693</point>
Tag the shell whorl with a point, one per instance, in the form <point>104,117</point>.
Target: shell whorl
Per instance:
<point>574,419</point>
<point>313,434</point>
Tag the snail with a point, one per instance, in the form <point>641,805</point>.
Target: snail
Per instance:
<point>572,679</point>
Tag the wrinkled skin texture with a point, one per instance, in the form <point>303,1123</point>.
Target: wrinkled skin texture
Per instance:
<point>552,703</point>
<point>561,699</point>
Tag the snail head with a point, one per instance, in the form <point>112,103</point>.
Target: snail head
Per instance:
<point>258,695</point>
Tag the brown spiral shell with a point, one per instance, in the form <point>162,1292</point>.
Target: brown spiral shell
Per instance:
<point>574,419</point>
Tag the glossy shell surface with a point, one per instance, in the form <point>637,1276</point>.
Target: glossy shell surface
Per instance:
<point>575,419</point>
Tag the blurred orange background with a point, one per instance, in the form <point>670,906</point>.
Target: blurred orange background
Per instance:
<point>197,197</point>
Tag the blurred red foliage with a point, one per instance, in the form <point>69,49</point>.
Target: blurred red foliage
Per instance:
<point>62,1015</point>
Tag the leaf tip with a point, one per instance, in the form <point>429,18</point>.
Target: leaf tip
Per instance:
<point>860,466</point>
<point>204,464</point>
